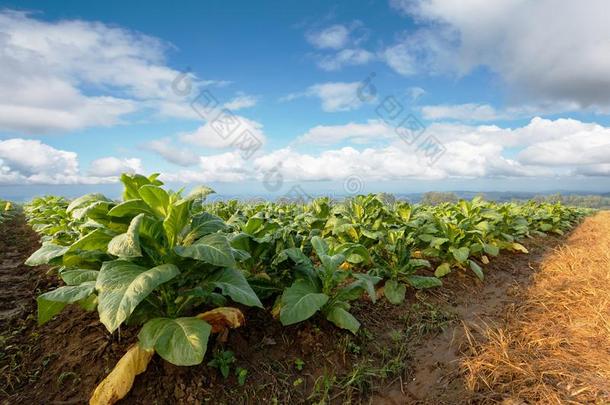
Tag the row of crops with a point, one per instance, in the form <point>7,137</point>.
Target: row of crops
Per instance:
<point>178,267</point>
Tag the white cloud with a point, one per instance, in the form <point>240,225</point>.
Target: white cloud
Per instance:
<point>400,58</point>
<point>45,67</point>
<point>372,131</point>
<point>225,167</point>
<point>113,166</point>
<point>28,161</point>
<point>345,57</point>
<point>334,96</point>
<point>178,156</point>
<point>566,61</point>
<point>241,101</point>
<point>216,136</point>
<point>461,112</point>
<point>333,37</point>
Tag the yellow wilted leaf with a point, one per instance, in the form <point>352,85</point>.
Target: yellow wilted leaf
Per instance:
<point>519,247</point>
<point>118,383</point>
<point>277,307</point>
<point>417,254</point>
<point>345,266</point>
<point>223,318</point>
<point>484,259</point>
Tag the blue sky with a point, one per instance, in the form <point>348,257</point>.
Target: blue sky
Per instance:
<point>332,97</point>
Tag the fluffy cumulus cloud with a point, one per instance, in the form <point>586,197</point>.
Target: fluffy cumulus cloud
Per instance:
<point>113,166</point>
<point>29,161</point>
<point>226,130</point>
<point>567,61</point>
<point>333,96</point>
<point>372,151</point>
<point>176,155</point>
<point>224,167</point>
<point>45,67</point>
<point>369,132</point>
<point>541,148</point>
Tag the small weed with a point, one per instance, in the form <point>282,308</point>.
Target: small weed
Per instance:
<point>299,364</point>
<point>222,361</point>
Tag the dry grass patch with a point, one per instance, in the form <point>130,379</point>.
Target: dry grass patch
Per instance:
<point>555,344</point>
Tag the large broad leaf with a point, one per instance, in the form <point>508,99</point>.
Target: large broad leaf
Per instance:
<point>175,221</point>
<point>233,283</point>
<point>213,249</point>
<point>491,249</point>
<point>442,270</point>
<point>156,198</point>
<point>319,245</point>
<point>394,291</point>
<point>118,383</point>
<point>205,224</point>
<point>460,254</point>
<point>368,283</point>
<point>338,315</point>
<point>476,269</point>
<point>200,193</point>
<point>300,301</point>
<point>78,276</point>
<point>181,341</point>
<point>122,285</point>
<point>133,182</point>
<point>130,208</point>
<point>45,254</point>
<point>421,282</point>
<point>127,245</point>
<point>85,200</point>
<point>53,302</point>
<point>94,240</point>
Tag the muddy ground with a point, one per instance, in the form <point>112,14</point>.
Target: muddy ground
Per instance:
<point>402,354</point>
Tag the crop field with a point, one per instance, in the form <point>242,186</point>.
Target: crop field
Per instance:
<point>176,275</point>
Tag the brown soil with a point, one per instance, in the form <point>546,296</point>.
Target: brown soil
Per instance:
<point>403,354</point>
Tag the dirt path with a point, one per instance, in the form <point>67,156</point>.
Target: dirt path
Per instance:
<point>436,375</point>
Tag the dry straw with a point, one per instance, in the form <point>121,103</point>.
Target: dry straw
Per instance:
<point>554,346</point>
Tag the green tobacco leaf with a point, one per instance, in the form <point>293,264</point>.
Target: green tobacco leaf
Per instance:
<point>394,291</point>
<point>233,283</point>
<point>78,276</point>
<point>461,254</point>
<point>45,254</point>
<point>476,269</point>
<point>368,283</point>
<point>491,249</point>
<point>156,198</point>
<point>130,208</point>
<point>442,270</point>
<point>175,221</point>
<point>213,249</point>
<point>205,224</point>
<point>200,193</point>
<point>127,245</point>
<point>421,282</point>
<point>94,240</point>
<point>53,302</point>
<point>181,341</point>
<point>338,315</point>
<point>319,245</point>
<point>85,200</point>
<point>122,285</point>
<point>300,301</point>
